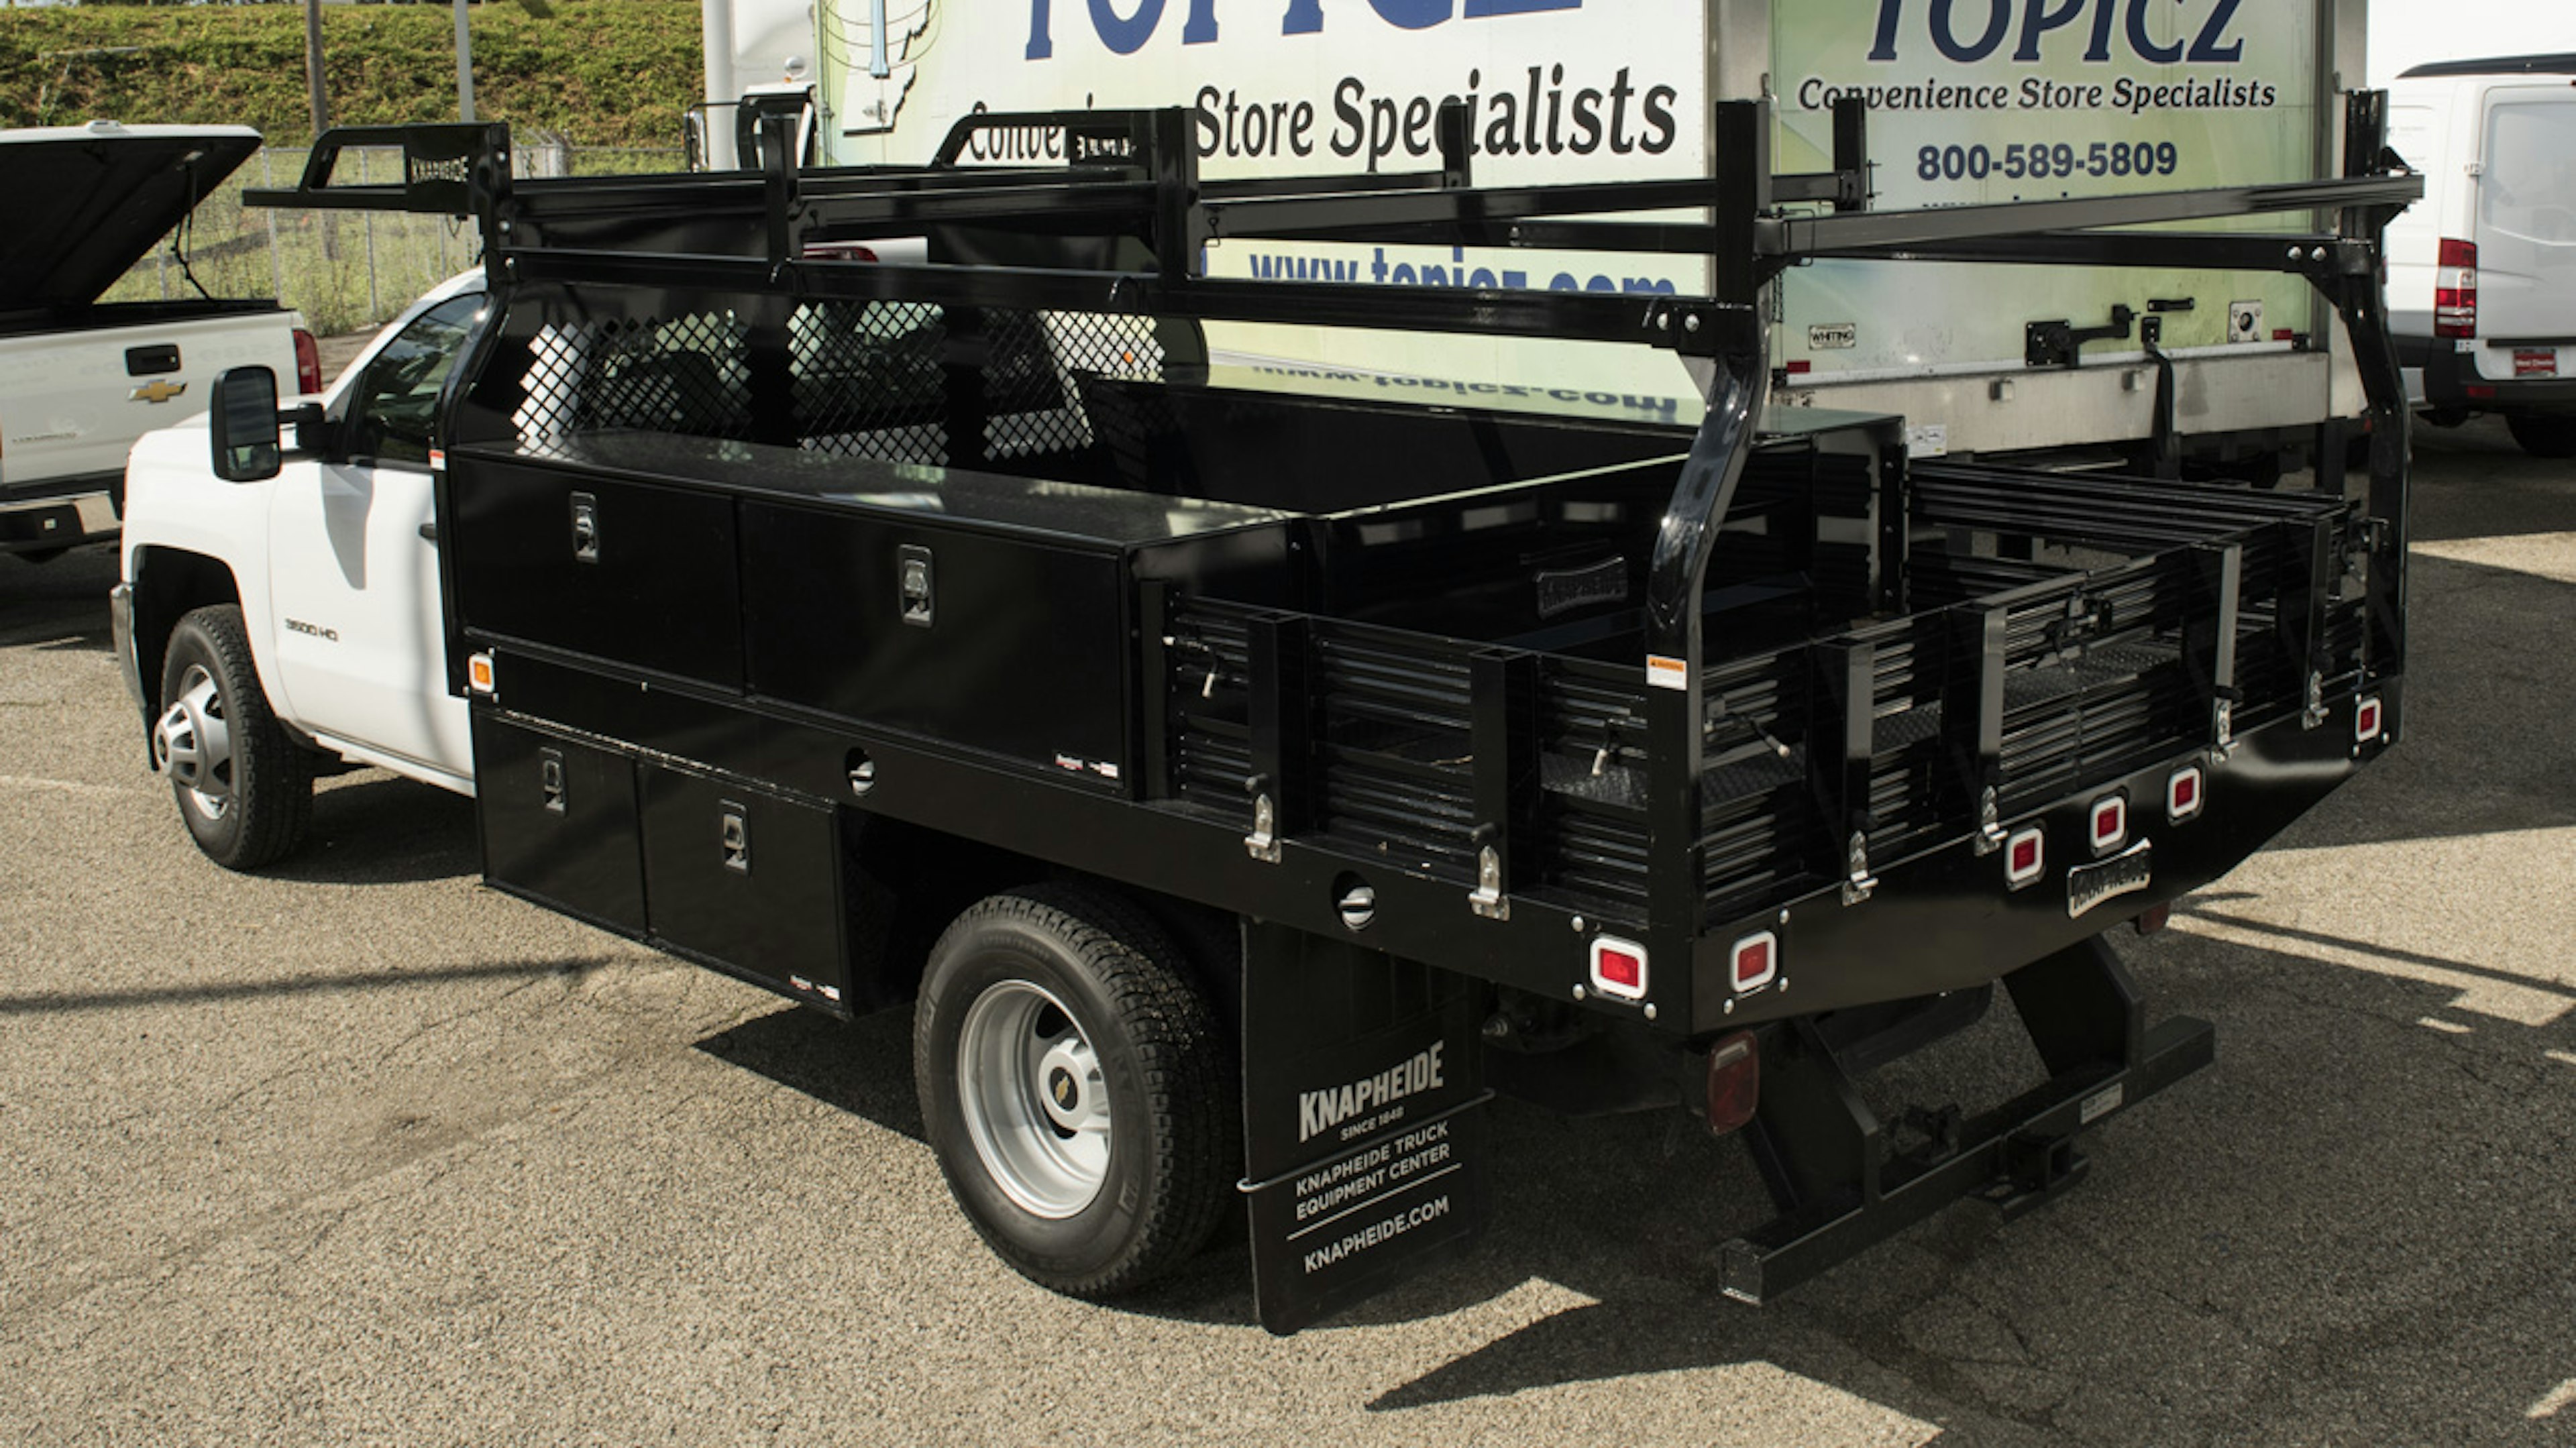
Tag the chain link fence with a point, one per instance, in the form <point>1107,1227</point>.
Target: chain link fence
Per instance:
<point>346,271</point>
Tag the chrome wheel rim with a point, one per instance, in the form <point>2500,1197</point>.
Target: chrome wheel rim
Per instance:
<point>192,744</point>
<point>1034,1098</point>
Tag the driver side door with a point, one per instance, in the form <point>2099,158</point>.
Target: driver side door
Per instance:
<point>361,640</point>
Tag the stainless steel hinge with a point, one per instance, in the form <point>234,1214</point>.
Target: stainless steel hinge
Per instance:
<point>1488,898</point>
<point>1263,842</point>
<point>1990,822</point>
<point>1858,886</point>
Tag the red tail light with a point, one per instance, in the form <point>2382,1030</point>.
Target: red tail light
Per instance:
<point>1757,961</point>
<point>2025,857</point>
<point>2455,290</point>
<point>1619,968</point>
<point>2183,794</point>
<point>838,251</point>
<point>1734,1083</point>
<point>308,363</point>
<point>2110,826</point>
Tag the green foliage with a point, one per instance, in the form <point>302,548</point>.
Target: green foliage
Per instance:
<point>601,72</point>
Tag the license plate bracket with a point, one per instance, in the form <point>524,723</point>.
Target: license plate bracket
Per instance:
<point>2125,873</point>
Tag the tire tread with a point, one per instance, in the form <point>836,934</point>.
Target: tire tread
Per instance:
<point>272,780</point>
<point>1184,1057</point>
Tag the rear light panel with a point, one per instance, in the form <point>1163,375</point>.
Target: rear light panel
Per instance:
<point>2455,290</point>
<point>2025,857</point>
<point>2107,825</point>
<point>1754,962</point>
<point>2184,794</point>
<point>1618,968</point>
<point>2367,719</point>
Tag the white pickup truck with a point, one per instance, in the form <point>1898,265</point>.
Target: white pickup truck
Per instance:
<point>80,379</point>
<point>269,627</point>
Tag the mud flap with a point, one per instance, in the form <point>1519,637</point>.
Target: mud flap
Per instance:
<point>1363,1121</point>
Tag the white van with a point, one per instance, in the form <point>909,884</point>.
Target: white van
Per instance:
<point>2482,272</point>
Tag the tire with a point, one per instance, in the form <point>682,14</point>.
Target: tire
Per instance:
<point>2543,437</point>
<point>1076,1088</point>
<point>242,784</point>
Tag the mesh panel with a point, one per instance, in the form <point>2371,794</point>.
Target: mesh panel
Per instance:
<point>875,379</point>
<point>1030,381</point>
<point>687,375</point>
<point>868,379</point>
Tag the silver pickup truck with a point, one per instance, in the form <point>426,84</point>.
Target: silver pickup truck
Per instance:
<point>81,378</point>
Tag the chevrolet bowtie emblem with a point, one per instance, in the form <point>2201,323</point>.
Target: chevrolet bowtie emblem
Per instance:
<point>156,390</point>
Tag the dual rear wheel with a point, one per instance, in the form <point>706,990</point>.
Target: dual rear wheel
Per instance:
<point>1077,1088</point>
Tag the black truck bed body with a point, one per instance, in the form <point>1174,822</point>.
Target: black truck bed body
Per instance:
<point>1408,672</point>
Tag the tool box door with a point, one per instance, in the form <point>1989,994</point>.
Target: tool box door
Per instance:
<point>558,821</point>
<point>747,880</point>
<point>640,574</point>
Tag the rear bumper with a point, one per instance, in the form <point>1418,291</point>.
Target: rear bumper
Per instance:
<point>60,514</point>
<point>2447,376</point>
<point>1948,919</point>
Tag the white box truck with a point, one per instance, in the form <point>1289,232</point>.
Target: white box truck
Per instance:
<point>1971,101</point>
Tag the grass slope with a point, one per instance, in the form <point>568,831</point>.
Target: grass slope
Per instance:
<point>601,72</point>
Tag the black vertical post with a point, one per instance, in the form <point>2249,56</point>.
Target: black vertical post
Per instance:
<point>966,351</point>
<point>2303,612</point>
<point>2362,300</point>
<point>1851,153</point>
<point>1841,748</point>
<point>1151,749</point>
<point>1277,711</point>
<point>1972,711</point>
<point>2209,641</point>
<point>1451,129</point>
<point>778,157</point>
<point>1503,735</point>
<point>1895,535</point>
<point>1743,162</point>
<point>1175,160</point>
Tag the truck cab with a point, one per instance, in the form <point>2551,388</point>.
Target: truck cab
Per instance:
<point>277,625</point>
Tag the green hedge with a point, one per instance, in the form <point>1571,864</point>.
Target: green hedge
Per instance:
<point>601,72</point>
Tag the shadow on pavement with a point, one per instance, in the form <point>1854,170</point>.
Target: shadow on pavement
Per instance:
<point>64,1002</point>
<point>2473,482</point>
<point>61,604</point>
<point>375,828</point>
<point>863,1067</point>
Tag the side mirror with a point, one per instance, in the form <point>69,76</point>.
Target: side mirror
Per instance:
<point>243,426</point>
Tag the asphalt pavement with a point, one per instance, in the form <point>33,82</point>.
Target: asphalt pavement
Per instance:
<point>360,1152</point>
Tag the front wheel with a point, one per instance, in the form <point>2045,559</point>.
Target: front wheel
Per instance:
<point>242,784</point>
<point>1077,1089</point>
<point>2543,437</point>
